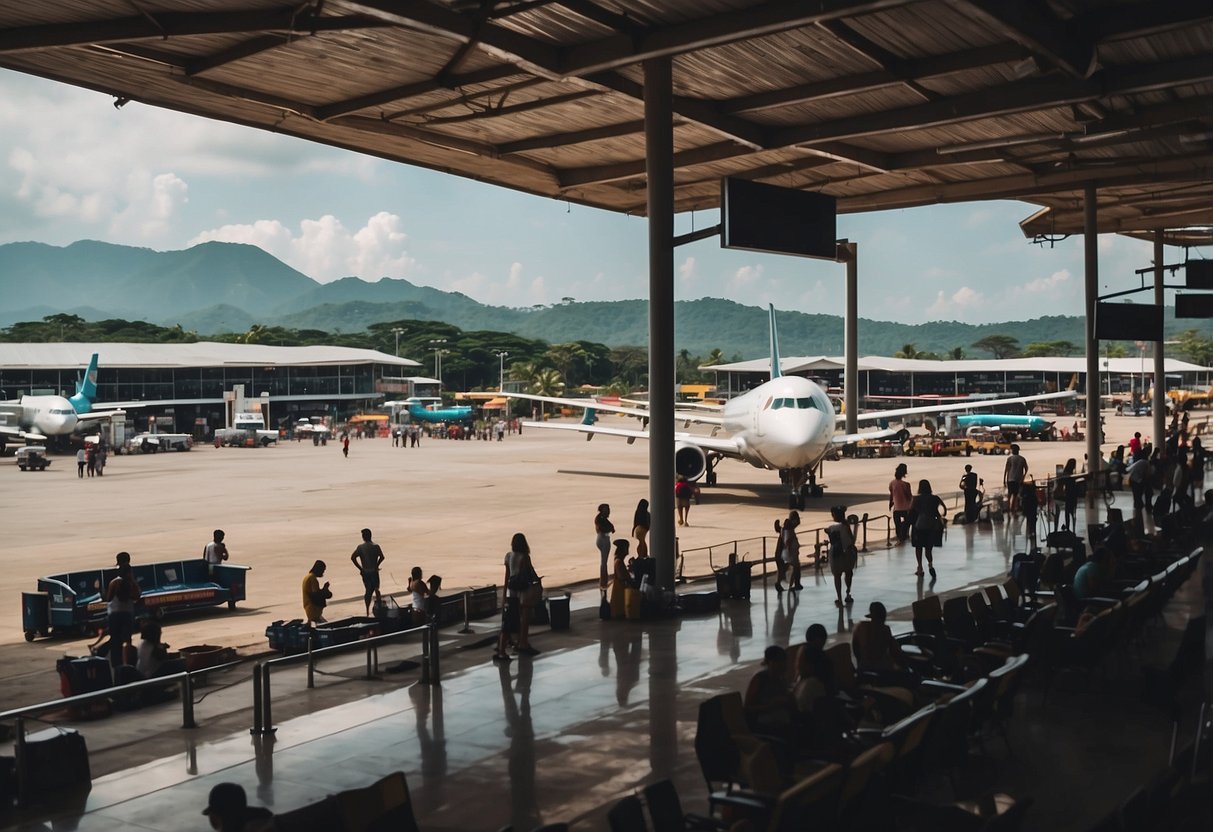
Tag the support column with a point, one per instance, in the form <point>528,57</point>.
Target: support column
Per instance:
<point>1091,274</point>
<point>850,373</point>
<point>1160,376</point>
<point>659,169</point>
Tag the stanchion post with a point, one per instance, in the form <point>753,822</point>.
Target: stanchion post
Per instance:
<point>257,725</point>
<point>425,657</point>
<point>311,660</point>
<point>467,612</point>
<point>187,702</point>
<point>864,521</point>
<point>432,635</point>
<point>267,726</point>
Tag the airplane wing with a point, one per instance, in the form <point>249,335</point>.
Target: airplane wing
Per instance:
<point>98,416</point>
<point>849,438</point>
<point>687,417</point>
<point>12,432</point>
<point>900,413</point>
<point>720,445</point>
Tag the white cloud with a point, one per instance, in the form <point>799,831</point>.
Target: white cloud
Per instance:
<point>1058,281</point>
<point>978,217</point>
<point>325,249</point>
<point>513,290</point>
<point>956,305</point>
<point>686,274</point>
<point>745,278</point>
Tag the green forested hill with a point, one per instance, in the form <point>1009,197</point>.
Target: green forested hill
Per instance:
<point>216,288</point>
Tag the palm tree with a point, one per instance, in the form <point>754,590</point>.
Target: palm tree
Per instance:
<point>546,382</point>
<point>715,357</point>
<point>907,351</point>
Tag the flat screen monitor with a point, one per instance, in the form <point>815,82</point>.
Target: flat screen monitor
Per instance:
<point>1194,306</point>
<point>1199,274</point>
<point>1128,322</point>
<point>758,217</point>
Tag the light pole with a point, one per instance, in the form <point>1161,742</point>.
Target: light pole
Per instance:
<point>437,344</point>
<point>396,330</point>
<point>501,354</point>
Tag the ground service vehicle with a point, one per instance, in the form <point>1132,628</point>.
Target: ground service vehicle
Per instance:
<point>32,458</point>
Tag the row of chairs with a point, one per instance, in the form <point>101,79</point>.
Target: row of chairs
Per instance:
<point>743,774</point>
<point>384,806</point>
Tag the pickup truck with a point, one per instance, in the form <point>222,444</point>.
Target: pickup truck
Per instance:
<point>936,446</point>
<point>247,431</point>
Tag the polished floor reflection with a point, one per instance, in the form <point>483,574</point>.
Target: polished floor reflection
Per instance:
<point>606,707</point>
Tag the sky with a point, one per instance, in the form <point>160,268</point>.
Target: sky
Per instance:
<point>74,167</point>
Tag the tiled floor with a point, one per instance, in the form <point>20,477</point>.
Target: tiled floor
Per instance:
<point>607,706</point>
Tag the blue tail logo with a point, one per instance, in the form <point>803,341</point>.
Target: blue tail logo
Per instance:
<point>86,389</point>
<point>776,372</point>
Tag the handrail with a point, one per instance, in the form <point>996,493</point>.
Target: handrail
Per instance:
<point>186,677</point>
<point>263,722</point>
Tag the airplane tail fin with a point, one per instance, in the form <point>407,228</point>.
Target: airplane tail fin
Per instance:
<point>86,388</point>
<point>776,372</point>
<point>589,417</point>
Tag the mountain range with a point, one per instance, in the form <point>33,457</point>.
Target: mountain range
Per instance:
<point>227,287</point>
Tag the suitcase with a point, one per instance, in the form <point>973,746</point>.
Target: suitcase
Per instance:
<point>697,602</point>
<point>1025,570</point>
<point>84,675</point>
<point>539,613</point>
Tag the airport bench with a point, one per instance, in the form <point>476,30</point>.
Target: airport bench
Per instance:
<point>72,603</point>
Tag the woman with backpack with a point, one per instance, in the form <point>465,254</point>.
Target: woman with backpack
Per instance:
<point>516,612</point>
<point>928,513</point>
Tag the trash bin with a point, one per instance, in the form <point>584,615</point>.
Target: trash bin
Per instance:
<point>35,614</point>
<point>558,611</point>
<point>539,612</point>
<point>733,581</point>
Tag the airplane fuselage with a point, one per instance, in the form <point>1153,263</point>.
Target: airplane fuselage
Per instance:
<point>1031,424</point>
<point>49,415</point>
<point>785,423</point>
<point>444,414</point>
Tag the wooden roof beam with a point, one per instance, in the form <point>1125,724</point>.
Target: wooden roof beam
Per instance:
<point>1143,19</point>
<point>393,94</point>
<point>593,134</point>
<point>601,16</point>
<point>1007,99</point>
<point>173,24</point>
<point>1031,23</point>
<point>239,52</point>
<point>521,107</point>
<point>916,69</point>
<point>533,55</point>
<point>876,53</point>
<point>598,174</point>
<point>714,30</point>
<point>464,99</point>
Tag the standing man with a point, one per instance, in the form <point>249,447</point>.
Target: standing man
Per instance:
<point>367,558</point>
<point>900,497</point>
<point>345,445</point>
<point>215,552</point>
<point>80,460</point>
<point>1013,476</point>
<point>968,484</point>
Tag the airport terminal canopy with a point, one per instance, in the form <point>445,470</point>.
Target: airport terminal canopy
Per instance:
<point>882,104</point>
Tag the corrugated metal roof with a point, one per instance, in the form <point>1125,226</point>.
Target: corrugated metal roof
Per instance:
<point>1063,365</point>
<point>200,354</point>
<point>881,103</point>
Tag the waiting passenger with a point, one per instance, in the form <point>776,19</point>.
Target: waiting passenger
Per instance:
<point>315,596</point>
<point>769,705</point>
<point>877,652</point>
<point>228,810</point>
<point>153,654</point>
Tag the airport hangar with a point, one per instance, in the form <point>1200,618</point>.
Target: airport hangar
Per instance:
<point>1098,111</point>
<point>904,377</point>
<point>184,385</point>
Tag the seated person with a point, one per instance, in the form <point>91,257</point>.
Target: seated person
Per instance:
<point>826,722</point>
<point>432,602</point>
<point>153,656</point>
<point>814,667</point>
<point>878,653</point>
<point>420,591</point>
<point>1091,579</point>
<point>769,706</point>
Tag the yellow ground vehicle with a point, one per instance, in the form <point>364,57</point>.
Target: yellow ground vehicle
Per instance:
<point>985,441</point>
<point>936,446</point>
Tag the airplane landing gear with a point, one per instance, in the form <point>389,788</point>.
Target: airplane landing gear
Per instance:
<point>804,486</point>
<point>710,476</point>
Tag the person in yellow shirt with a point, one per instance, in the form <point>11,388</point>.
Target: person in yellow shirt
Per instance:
<point>315,596</point>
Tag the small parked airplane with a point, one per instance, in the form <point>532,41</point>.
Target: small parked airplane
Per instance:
<point>418,412</point>
<point>1006,422</point>
<point>38,418</point>
<point>786,424</point>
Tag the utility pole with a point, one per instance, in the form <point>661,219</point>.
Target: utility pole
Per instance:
<point>501,354</point>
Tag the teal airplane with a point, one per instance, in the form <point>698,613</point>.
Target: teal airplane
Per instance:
<point>35,418</point>
<point>418,412</point>
<point>1005,421</point>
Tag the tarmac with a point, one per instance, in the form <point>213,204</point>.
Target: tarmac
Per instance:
<point>606,707</point>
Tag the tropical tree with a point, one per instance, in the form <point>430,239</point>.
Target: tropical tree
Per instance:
<point>956,353</point>
<point>715,357</point>
<point>1197,348</point>
<point>907,351</point>
<point>1045,348</point>
<point>1000,346</point>
<point>631,365</point>
<point>566,358</point>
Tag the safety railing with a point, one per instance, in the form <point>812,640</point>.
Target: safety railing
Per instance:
<point>263,721</point>
<point>185,678</point>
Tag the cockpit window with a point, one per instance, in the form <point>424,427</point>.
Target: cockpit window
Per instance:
<point>805,403</point>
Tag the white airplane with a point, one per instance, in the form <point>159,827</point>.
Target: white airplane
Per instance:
<point>36,418</point>
<point>786,424</point>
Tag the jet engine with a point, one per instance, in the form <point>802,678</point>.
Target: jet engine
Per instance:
<point>689,460</point>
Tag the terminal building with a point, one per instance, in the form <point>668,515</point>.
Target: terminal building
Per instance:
<point>181,387</point>
<point>880,376</point>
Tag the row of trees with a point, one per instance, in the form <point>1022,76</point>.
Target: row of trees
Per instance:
<point>1191,345</point>
<point>470,359</point>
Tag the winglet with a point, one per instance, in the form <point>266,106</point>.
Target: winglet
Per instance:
<point>775,371</point>
<point>86,388</point>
